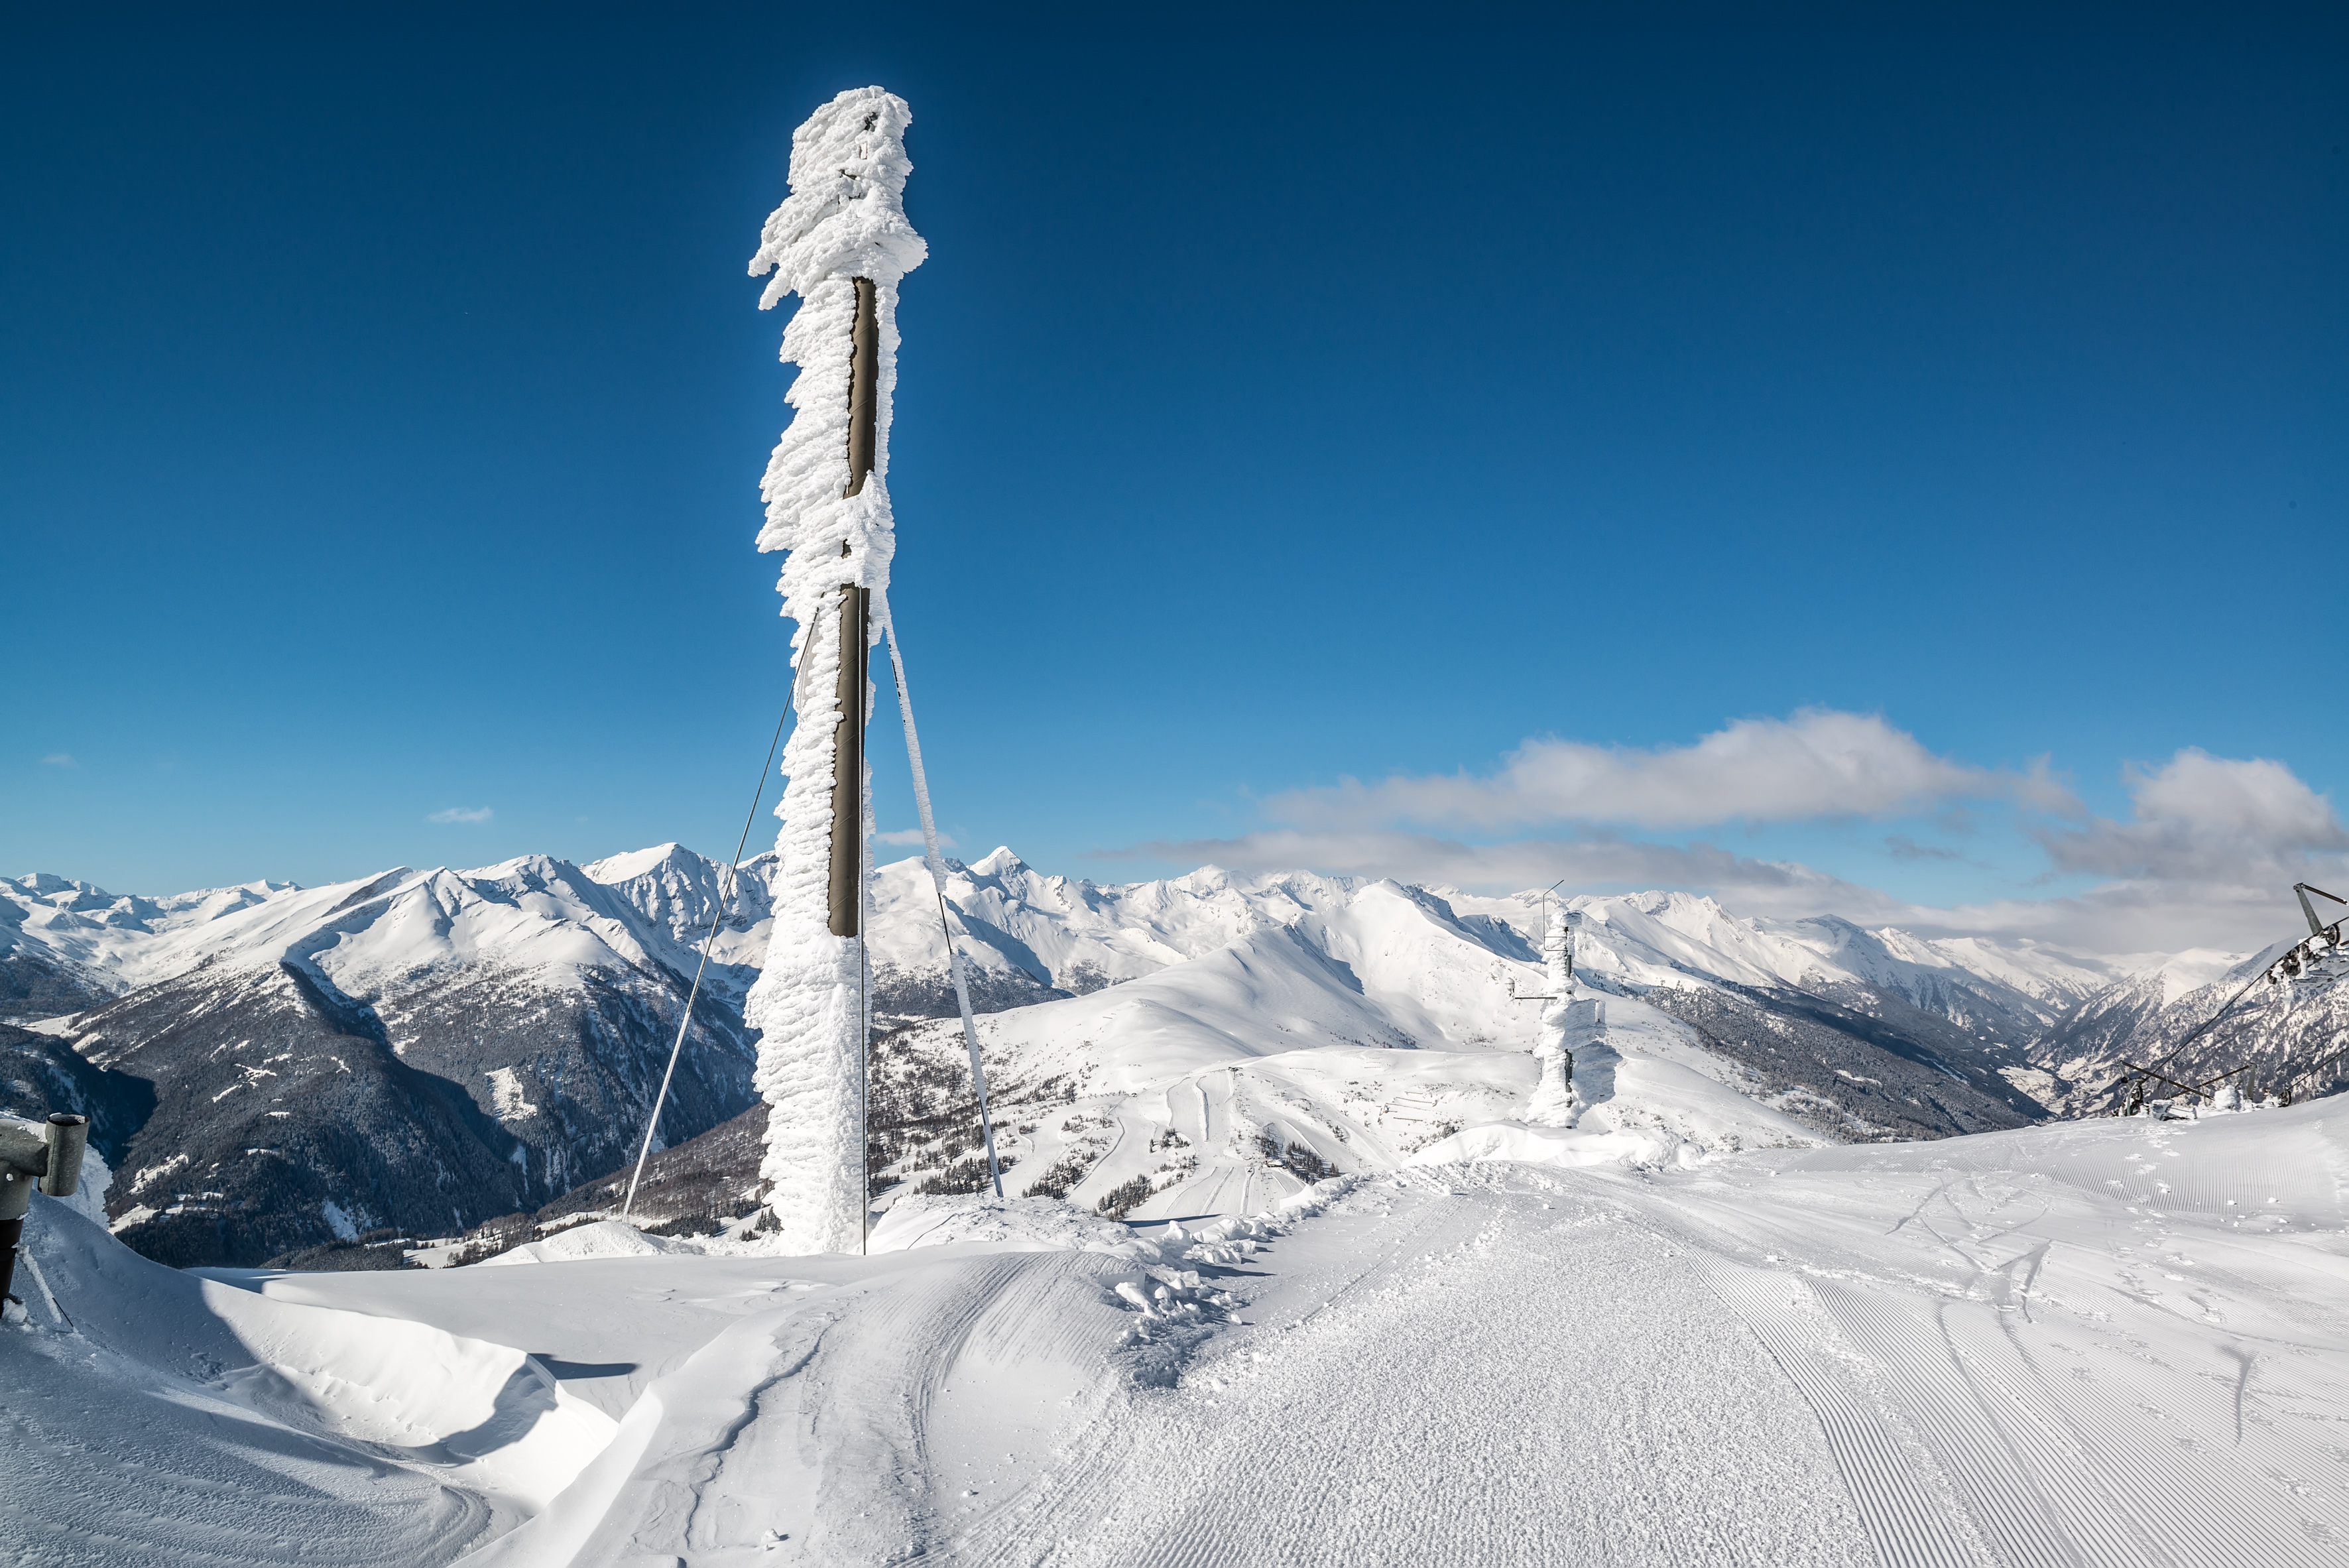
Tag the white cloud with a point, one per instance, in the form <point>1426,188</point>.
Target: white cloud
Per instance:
<point>463,814</point>
<point>1819,763</point>
<point>1785,889</point>
<point>2204,817</point>
<point>2128,918</point>
<point>904,836</point>
<point>60,760</point>
<point>2207,861</point>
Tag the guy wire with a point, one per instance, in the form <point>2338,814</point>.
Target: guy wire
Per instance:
<point>725,897</point>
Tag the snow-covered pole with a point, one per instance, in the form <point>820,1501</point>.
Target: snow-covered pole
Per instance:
<point>841,241</point>
<point>1553,1103</point>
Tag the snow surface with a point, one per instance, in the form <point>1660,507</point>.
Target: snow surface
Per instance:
<point>2102,1342</point>
<point>161,1417</point>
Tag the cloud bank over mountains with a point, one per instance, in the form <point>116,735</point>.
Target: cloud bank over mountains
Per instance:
<point>2207,858</point>
<point>2199,818</point>
<point>1819,763</point>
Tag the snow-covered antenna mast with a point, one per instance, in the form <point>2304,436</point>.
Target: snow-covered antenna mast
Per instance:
<point>841,241</point>
<point>1565,989</point>
<point>1554,1103</point>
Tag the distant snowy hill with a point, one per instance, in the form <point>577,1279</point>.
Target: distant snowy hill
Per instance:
<point>278,1067</point>
<point>1076,936</point>
<point>1258,1031</point>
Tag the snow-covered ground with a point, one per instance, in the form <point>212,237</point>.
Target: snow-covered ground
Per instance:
<point>1215,1082</point>
<point>2102,1342</point>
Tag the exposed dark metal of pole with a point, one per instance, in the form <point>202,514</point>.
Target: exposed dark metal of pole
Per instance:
<point>847,896</point>
<point>12,1236</point>
<point>68,1138</point>
<point>864,385</point>
<point>53,1159</point>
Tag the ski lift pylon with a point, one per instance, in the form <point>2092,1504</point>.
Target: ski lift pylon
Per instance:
<point>2319,959</point>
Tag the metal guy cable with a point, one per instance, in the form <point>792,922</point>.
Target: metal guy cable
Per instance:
<point>725,897</point>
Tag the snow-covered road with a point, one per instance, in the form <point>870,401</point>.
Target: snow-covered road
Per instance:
<point>2109,1342</point>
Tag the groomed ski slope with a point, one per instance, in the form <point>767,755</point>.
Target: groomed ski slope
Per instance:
<point>2096,1343</point>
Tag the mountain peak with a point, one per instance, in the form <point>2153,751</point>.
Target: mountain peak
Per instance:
<point>61,893</point>
<point>630,863</point>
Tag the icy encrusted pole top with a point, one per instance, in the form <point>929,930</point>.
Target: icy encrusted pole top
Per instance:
<point>845,216</point>
<point>843,221</point>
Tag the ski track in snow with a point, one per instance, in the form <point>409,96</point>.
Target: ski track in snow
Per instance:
<point>2115,1342</point>
<point>1443,1378</point>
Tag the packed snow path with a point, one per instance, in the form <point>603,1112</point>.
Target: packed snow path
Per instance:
<point>1441,1375</point>
<point>2098,1343</point>
<point>1782,1365</point>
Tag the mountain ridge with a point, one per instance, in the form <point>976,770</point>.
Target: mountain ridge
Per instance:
<point>522,1012</point>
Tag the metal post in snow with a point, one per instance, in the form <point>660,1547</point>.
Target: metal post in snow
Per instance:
<point>845,889</point>
<point>841,241</point>
<point>864,385</point>
<point>851,880</point>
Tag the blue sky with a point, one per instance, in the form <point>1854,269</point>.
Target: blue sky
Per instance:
<point>1290,396</point>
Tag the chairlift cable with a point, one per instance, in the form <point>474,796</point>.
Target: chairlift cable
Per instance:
<point>2265,972</point>
<point>2214,1017</point>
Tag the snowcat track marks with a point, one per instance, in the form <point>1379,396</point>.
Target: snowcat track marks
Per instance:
<point>1362,1416</point>
<point>1907,1522</point>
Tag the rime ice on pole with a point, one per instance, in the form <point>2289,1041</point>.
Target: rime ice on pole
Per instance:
<point>843,221</point>
<point>1554,1102</point>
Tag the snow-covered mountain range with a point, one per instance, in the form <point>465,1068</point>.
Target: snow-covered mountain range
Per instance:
<point>274,1066</point>
<point>420,1048</point>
